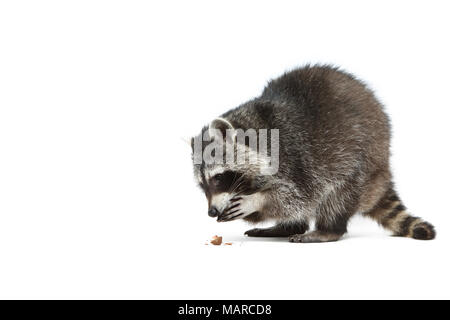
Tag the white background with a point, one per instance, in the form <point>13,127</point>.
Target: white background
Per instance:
<point>97,197</point>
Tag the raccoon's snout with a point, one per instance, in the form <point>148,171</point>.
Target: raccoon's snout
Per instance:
<point>213,212</point>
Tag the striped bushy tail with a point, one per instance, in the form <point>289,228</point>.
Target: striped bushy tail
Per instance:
<point>392,215</point>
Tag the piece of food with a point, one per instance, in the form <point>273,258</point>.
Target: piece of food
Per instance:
<point>228,243</point>
<point>216,240</point>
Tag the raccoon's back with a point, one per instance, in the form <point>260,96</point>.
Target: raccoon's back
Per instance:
<point>332,117</point>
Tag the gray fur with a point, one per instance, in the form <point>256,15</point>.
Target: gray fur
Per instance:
<point>334,154</point>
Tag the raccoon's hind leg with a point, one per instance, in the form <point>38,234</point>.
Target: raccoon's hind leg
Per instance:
<point>279,230</point>
<point>392,215</point>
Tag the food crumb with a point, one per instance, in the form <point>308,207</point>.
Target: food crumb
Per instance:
<point>228,243</point>
<point>216,240</point>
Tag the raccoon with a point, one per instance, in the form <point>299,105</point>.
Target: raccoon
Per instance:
<point>333,152</point>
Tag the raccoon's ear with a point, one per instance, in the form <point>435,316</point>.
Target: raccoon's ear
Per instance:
<point>189,142</point>
<point>222,125</point>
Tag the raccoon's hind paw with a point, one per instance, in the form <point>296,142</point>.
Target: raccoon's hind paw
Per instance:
<point>314,237</point>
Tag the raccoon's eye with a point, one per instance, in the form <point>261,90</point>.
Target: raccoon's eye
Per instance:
<point>218,177</point>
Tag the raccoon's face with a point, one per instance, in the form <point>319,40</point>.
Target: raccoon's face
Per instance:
<point>233,191</point>
<point>231,194</point>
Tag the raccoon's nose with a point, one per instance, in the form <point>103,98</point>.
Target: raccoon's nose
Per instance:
<point>213,212</point>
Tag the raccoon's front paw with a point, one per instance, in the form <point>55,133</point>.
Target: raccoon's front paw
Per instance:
<point>257,232</point>
<point>298,238</point>
<point>314,237</point>
<point>305,238</point>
